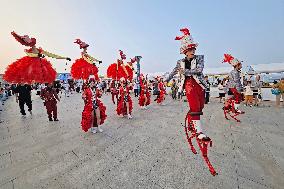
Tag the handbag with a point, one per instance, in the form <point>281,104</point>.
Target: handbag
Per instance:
<point>275,91</point>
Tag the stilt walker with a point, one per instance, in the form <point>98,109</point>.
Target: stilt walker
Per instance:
<point>94,113</point>
<point>119,71</point>
<point>85,66</point>
<point>233,88</point>
<point>33,68</point>
<point>191,70</point>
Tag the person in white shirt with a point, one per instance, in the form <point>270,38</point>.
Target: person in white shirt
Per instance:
<point>248,94</point>
<point>221,90</point>
<point>66,88</point>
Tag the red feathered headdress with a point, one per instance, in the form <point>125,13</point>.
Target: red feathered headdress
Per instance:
<point>24,40</point>
<point>231,60</point>
<point>82,44</point>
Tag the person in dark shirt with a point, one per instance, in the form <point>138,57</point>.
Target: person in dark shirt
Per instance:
<point>23,96</point>
<point>207,90</point>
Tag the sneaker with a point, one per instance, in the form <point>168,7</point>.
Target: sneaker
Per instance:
<point>129,116</point>
<point>94,130</point>
<point>100,130</point>
<point>145,108</point>
<point>203,137</point>
<point>50,119</point>
<point>241,112</point>
<point>55,119</point>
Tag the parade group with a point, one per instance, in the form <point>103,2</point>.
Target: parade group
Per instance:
<point>35,68</point>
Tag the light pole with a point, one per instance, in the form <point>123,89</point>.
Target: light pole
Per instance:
<point>138,71</point>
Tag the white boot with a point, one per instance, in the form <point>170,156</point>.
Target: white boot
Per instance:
<point>237,108</point>
<point>197,125</point>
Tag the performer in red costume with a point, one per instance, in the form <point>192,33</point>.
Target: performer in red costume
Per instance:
<point>33,68</point>
<point>125,104</point>
<point>86,65</point>
<point>233,88</point>
<point>123,72</point>
<point>190,69</point>
<point>114,91</point>
<point>162,91</point>
<point>94,113</point>
<point>50,97</point>
<point>144,97</point>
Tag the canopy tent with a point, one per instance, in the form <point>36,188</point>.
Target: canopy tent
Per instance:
<point>258,68</point>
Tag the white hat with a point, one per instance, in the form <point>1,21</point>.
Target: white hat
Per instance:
<point>186,41</point>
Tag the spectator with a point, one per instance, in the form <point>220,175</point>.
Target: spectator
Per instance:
<point>174,89</point>
<point>135,87</point>
<point>248,94</point>
<point>207,90</point>
<point>221,88</point>
<point>280,87</point>
<point>257,84</point>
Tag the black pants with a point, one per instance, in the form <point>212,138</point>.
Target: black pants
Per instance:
<point>136,92</point>
<point>22,103</point>
<point>174,95</point>
<point>207,95</point>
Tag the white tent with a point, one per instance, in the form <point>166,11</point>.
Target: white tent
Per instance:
<point>258,68</point>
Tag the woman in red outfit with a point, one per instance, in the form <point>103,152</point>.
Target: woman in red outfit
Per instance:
<point>144,98</point>
<point>33,68</point>
<point>162,91</point>
<point>94,113</point>
<point>125,104</point>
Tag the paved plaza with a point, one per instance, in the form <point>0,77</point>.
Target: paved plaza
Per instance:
<point>149,151</point>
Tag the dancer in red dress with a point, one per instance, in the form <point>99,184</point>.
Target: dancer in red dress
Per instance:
<point>33,68</point>
<point>125,104</point>
<point>94,113</point>
<point>144,97</point>
<point>162,91</point>
<point>86,65</point>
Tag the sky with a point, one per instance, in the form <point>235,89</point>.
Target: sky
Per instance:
<point>251,30</point>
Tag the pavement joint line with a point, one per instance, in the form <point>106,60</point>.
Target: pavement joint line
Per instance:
<point>262,184</point>
<point>75,154</point>
<point>271,154</point>
<point>234,156</point>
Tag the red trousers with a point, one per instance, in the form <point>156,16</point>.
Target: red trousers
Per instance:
<point>51,108</point>
<point>114,95</point>
<point>195,96</point>
<point>237,95</point>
